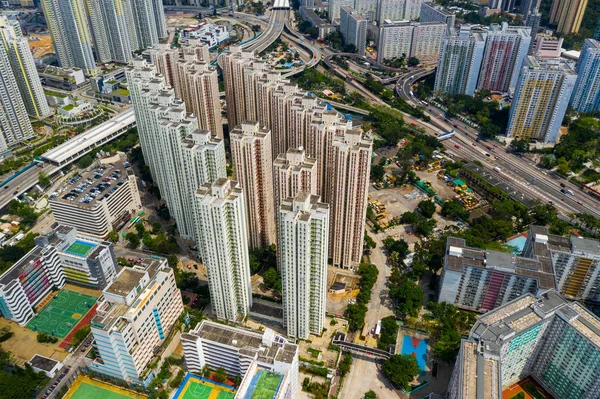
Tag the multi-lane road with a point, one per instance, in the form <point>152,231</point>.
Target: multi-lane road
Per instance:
<point>520,171</point>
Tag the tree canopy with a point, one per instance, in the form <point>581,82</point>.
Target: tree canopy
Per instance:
<point>401,369</point>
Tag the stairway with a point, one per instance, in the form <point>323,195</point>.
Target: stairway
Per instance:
<point>577,277</point>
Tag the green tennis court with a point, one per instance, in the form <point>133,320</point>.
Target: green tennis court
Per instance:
<point>196,389</point>
<point>62,313</point>
<point>81,248</point>
<point>89,391</point>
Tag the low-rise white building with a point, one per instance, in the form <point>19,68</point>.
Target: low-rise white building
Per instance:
<point>100,199</point>
<point>210,34</point>
<point>243,353</point>
<point>134,317</point>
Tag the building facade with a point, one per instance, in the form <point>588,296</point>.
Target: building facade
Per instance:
<point>353,27</point>
<point>461,54</point>
<point>546,338</point>
<point>23,67</point>
<point>223,243</point>
<point>541,98</point>
<point>431,12</point>
<point>138,311</point>
<point>294,171</point>
<point>410,39</point>
<point>253,168</point>
<point>180,156</point>
<point>398,10</point>
<point>586,95</point>
<point>303,248</point>
<point>115,22</point>
<point>94,210</point>
<point>14,122</point>
<point>505,49</point>
<point>70,33</point>
<point>426,41</point>
<point>567,15</point>
<point>242,353</point>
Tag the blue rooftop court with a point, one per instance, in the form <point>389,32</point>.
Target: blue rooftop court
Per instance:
<point>518,243</point>
<point>417,347</point>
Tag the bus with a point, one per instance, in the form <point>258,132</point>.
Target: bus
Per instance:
<point>446,135</point>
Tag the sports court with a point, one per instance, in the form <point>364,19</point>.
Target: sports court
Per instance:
<point>62,313</point>
<point>86,388</point>
<point>417,347</point>
<point>80,248</point>
<point>264,385</point>
<point>194,387</point>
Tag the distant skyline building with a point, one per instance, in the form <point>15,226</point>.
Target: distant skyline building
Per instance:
<point>534,21</point>
<point>431,12</point>
<point>461,54</point>
<point>334,7</point>
<point>14,121</point>
<point>98,30</point>
<point>23,68</point>
<point>116,25</point>
<point>411,39</point>
<point>547,338</point>
<point>505,49</point>
<point>541,98</point>
<point>160,20</point>
<point>180,156</point>
<point>586,95</point>
<point>144,21</point>
<point>567,15</point>
<point>70,33</point>
<point>398,10</point>
<point>346,185</point>
<point>253,168</point>
<point>368,8</point>
<point>597,31</point>
<point>222,241</point>
<point>303,246</point>
<point>353,27</point>
<point>528,6</point>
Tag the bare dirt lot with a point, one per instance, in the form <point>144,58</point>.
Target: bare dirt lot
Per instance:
<point>336,303</point>
<point>41,46</point>
<point>321,343</point>
<point>23,344</point>
<point>181,20</point>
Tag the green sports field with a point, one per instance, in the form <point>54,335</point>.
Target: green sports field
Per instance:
<point>267,385</point>
<point>89,391</point>
<point>62,313</point>
<point>196,389</point>
<point>80,248</point>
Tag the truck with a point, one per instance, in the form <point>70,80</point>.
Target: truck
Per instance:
<point>378,329</point>
<point>497,169</point>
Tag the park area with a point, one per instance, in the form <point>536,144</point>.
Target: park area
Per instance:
<point>86,388</point>
<point>62,313</point>
<point>194,387</point>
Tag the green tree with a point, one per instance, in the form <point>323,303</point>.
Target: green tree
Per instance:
<point>139,227</point>
<point>370,395</point>
<point>355,313</point>
<point>377,172</point>
<point>409,297</point>
<point>413,61</point>
<point>220,375</point>
<point>401,369</point>
<point>80,335</point>
<point>206,371</point>
<point>113,236</point>
<point>43,179</point>
<point>134,240</point>
<point>454,210</point>
<point>389,331</point>
<point>172,260</point>
<point>427,208</point>
<point>272,279</point>
<point>519,146</point>
<point>344,367</point>
<point>548,161</point>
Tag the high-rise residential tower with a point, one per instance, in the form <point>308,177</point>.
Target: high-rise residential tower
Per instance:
<point>546,338</point>
<point>144,21</point>
<point>460,60</point>
<point>14,122</point>
<point>353,27</point>
<point>23,68</point>
<point>541,98</point>
<point>293,172</point>
<point>586,95</point>
<point>505,49</point>
<point>431,12</point>
<point>567,15</point>
<point>597,31</point>
<point>302,244</point>
<point>223,244</point>
<point>528,6</point>
<point>346,187</point>
<point>397,10</point>
<point>160,20</point>
<point>98,30</point>
<point>253,167</point>
<point>180,156</point>
<point>68,25</point>
<point>115,21</point>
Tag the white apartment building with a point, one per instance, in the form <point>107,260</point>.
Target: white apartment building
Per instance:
<point>14,122</point>
<point>431,12</point>
<point>303,248</point>
<point>243,353</point>
<point>23,68</point>
<point>136,315</point>
<point>49,265</point>
<point>96,21</point>
<point>117,30</point>
<point>541,98</point>
<point>334,7</point>
<point>410,39</point>
<point>505,50</point>
<point>95,205</point>
<point>159,19</point>
<point>70,33</point>
<point>180,157</point>
<point>461,54</point>
<point>144,22</point>
<point>346,189</point>
<point>294,171</point>
<point>586,95</point>
<point>353,27</point>
<point>223,243</point>
<point>398,10</point>
<point>253,168</point>
<point>367,8</point>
